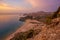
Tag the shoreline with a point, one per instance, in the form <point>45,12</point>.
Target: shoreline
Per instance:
<point>27,25</point>
<point>18,30</point>
<point>11,33</point>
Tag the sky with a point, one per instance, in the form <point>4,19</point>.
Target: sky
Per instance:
<point>7,6</point>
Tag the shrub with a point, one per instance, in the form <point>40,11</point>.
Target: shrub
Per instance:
<point>48,20</point>
<point>25,35</point>
<point>56,13</point>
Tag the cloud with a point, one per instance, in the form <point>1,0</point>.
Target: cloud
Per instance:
<point>7,8</point>
<point>33,5</point>
<point>43,5</point>
<point>36,3</point>
<point>4,6</point>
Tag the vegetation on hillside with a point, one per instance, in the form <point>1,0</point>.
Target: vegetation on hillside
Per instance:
<point>55,15</point>
<point>32,33</point>
<point>26,35</point>
<point>47,18</point>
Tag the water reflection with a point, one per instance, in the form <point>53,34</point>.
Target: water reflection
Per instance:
<point>8,23</point>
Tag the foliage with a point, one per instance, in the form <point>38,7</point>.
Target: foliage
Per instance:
<point>25,35</point>
<point>25,18</point>
<point>56,14</point>
<point>48,20</point>
<point>22,19</point>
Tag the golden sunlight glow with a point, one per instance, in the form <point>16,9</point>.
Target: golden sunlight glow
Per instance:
<point>7,18</point>
<point>36,3</point>
<point>4,6</point>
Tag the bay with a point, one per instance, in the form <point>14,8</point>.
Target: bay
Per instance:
<point>9,24</point>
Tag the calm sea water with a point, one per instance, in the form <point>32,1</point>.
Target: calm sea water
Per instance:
<point>8,24</point>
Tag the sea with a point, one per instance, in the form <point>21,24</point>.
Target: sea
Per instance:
<point>9,24</point>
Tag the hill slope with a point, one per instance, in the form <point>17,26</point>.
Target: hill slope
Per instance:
<point>35,30</point>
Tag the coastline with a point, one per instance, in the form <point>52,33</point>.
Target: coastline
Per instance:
<point>27,25</point>
<point>11,33</point>
<point>18,30</point>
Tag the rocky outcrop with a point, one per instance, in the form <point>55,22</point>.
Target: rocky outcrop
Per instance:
<point>41,31</point>
<point>35,30</point>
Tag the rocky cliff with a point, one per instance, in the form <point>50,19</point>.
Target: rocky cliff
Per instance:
<point>36,30</point>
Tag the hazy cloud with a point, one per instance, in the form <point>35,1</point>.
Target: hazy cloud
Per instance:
<point>45,5</point>
<point>29,5</point>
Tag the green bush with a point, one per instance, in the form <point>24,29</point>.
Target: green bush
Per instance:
<point>48,20</point>
<point>19,36</point>
<point>56,14</point>
<point>25,35</point>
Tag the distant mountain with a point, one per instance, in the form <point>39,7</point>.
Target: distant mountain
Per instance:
<point>40,13</point>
